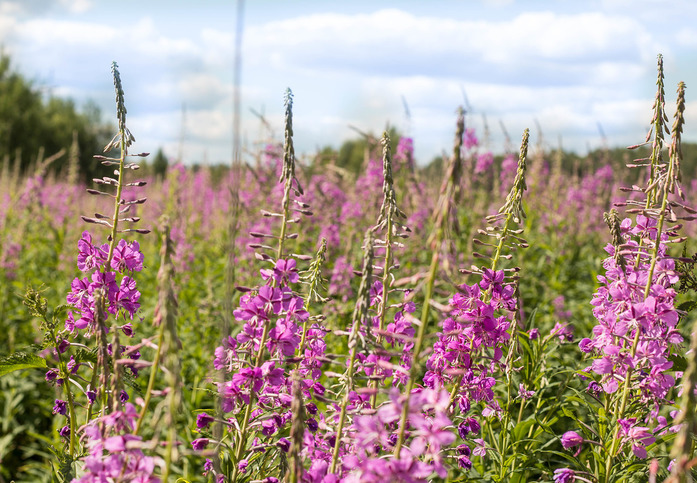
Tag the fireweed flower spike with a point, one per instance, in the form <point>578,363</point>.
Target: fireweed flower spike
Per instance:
<point>115,451</point>
<point>387,223</point>
<point>258,391</point>
<point>481,325</point>
<point>637,331</point>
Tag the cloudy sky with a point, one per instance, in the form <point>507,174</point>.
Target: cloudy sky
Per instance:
<point>573,68</point>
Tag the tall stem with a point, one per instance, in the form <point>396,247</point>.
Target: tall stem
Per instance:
<point>360,314</point>
<point>441,220</point>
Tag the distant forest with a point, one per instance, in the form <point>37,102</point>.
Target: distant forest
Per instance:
<point>51,134</point>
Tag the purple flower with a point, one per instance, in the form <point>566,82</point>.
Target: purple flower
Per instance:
<point>52,376</point>
<point>127,257</point>
<point>564,331</point>
<point>203,420</point>
<point>91,395</point>
<point>564,475</point>
<point>284,444</point>
<point>268,427</point>
<point>63,346</point>
<point>200,444</point>
<point>89,256</point>
<point>127,296</point>
<point>484,162</point>
<point>64,432</point>
<point>639,437</point>
<point>60,407</point>
<point>525,393</point>
<point>571,439</point>
<point>284,272</point>
<point>72,366</point>
<point>312,425</point>
<point>464,462</point>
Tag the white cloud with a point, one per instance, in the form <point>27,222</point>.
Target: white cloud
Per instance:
<point>393,42</point>
<point>569,71</point>
<point>77,6</point>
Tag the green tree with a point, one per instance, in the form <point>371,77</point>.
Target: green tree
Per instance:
<point>160,164</point>
<point>30,125</point>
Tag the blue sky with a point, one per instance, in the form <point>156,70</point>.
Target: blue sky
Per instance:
<point>567,66</point>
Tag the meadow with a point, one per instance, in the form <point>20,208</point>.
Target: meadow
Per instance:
<point>510,319</point>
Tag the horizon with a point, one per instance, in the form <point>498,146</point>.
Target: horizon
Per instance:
<point>577,71</point>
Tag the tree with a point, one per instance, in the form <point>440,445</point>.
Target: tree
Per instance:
<point>30,125</point>
<point>160,164</point>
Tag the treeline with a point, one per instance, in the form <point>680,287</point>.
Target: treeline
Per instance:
<point>50,134</point>
<point>46,133</point>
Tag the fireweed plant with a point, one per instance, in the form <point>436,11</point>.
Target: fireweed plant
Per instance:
<point>98,434</point>
<point>273,363</point>
<point>633,350</point>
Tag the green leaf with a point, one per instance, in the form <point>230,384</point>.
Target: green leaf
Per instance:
<point>679,362</point>
<point>687,306</point>
<point>83,355</point>
<point>21,360</point>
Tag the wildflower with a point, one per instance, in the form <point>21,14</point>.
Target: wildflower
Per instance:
<point>524,393</point>
<point>564,331</point>
<point>284,272</point>
<point>127,257</point>
<point>564,475</point>
<point>90,256</point>
<point>200,444</point>
<point>63,346</point>
<point>203,420</point>
<point>60,407</point>
<point>571,439</point>
<point>284,444</point>
<point>638,437</point>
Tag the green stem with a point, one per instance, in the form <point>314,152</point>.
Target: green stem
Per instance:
<point>151,381</point>
<point>418,346</point>
<point>342,414</point>
<point>117,202</point>
<point>382,307</point>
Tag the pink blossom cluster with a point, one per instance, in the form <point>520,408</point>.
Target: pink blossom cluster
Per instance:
<point>268,385</point>
<point>114,452</point>
<point>122,297</point>
<point>374,437</point>
<point>624,314</point>
<point>469,349</point>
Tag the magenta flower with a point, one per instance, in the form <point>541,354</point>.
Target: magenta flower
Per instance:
<point>203,420</point>
<point>127,257</point>
<point>283,273</point>
<point>90,256</point>
<point>639,437</point>
<point>571,439</point>
<point>200,444</point>
<point>60,407</point>
<point>564,475</point>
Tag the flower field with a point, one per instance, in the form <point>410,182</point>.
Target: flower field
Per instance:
<point>510,319</point>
